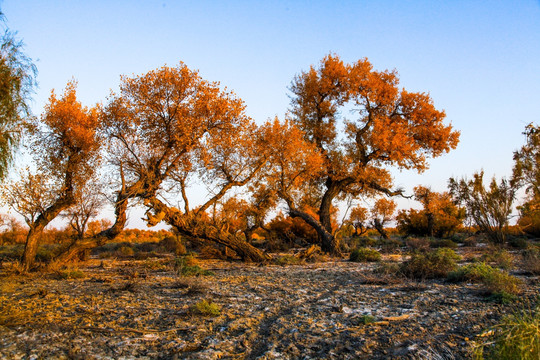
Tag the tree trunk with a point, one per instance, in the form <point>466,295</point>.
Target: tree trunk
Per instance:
<point>378,225</point>
<point>32,239</point>
<point>30,248</point>
<point>189,226</point>
<point>77,248</point>
<point>329,243</point>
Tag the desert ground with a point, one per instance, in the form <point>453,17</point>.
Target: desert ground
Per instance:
<point>328,309</point>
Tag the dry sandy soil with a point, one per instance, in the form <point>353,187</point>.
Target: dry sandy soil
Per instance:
<point>144,310</point>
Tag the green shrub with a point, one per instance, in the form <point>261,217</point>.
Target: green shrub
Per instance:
<point>517,336</point>
<point>500,257</point>
<point>288,260</point>
<point>415,243</point>
<point>389,245</point>
<point>365,255</point>
<point>366,241</point>
<point>434,264</point>
<point>125,251</point>
<point>207,308</point>
<point>518,242</point>
<point>46,253</point>
<point>70,274</point>
<point>187,266</point>
<point>500,285</point>
<point>531,261</point>
<point>366,319</point>
<point>445,243</point>
<point>386,268</point>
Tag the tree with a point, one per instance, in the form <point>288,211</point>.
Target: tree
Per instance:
<point>358,218</point>
<point>12,230</point>
<point>526,173</point>
<point>439,217</point>
<point>382,213</point>
<point>169,126</point>
<point>390,127</point>
<point>65,146</point>
<point>88,203</point>
<point>17,82</point>
<point>489,208</point>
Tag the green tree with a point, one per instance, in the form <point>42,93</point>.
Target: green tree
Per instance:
<point>489,208</point>
<point>526,173</point>
<point>17,82</point>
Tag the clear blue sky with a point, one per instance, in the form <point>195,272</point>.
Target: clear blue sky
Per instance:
<point>479,60</point>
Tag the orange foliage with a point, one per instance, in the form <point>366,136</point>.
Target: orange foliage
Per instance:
<point>390,127</point>
<point>439,217</point>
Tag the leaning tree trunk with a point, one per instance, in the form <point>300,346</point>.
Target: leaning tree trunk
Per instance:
<point>77,248</point>
<point>189,226</point>
<point>32,239</point>
<point>329,243</point>
<point>380,228</point>
<point>30,248</point>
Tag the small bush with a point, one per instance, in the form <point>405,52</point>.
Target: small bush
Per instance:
<point>126,251</point>
<point>365,241</point>
<point>187,266</point>
<point>445,243</point>
<point>45,253</point>
<point>366,319</point>
<point>288,260</point>
<point>531,261</point>
<point>68,274</point>
<point>172,244</point>
<point>389,245</point>
<point>365,255</point>
<point>418,244</point>
<point>434,264</point>
<point>515,337</point>
<point>498,284</point>
<point>500,257</point>
<point>458,238</point>
<point>470,241</point>
<point>207,308</point>
<point>386,268</point>
<point>518,242</point>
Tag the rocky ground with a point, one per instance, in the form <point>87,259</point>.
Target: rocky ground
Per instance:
<point>328,310</point>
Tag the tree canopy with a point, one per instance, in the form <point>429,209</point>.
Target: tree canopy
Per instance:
<point>388,126</point>
<point>17,82</point>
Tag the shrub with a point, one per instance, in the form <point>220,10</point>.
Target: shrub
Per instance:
<point>172,244</point>
<point>434,264</point>
<point>500,257</point>
<point>415,243</point>
<point>366,319</point>
<point>207,308</point>
<point>389,245</point>
<point>288,260</point>
<point>125,251</point>
<point>515,337</point>
<point>498,283</point>
<point>362,241</point>
<point>70,274</point>
<point>365,255</point>
<point>386,268</point>
<point>445,243</point>
<point>187,266</point>
<point>531,261</point>
<point>517,242</point>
